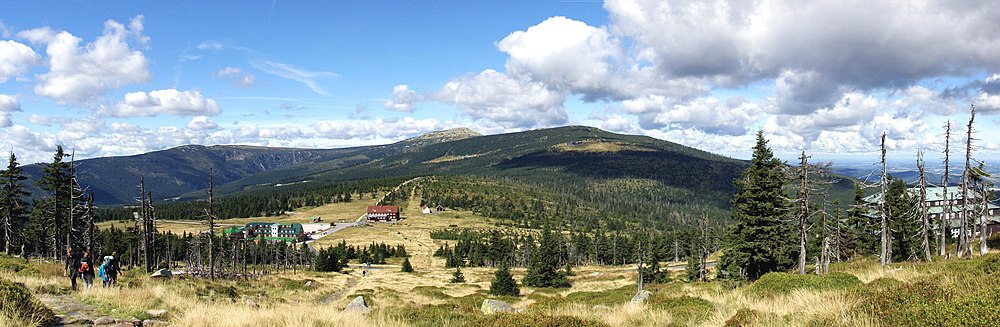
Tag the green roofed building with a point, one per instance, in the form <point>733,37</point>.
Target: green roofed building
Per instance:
<point>937,204</point>
<point>273,231</point>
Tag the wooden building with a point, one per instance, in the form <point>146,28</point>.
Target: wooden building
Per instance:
<point>383,213</point>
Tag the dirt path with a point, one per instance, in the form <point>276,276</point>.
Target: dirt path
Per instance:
<point>348,287</point>
<point>69,311</point>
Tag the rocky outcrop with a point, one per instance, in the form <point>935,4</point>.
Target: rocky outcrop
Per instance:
<point>494,306</point>
<point>641,297</point>
<point>358,305</point>
<point>162,273</point>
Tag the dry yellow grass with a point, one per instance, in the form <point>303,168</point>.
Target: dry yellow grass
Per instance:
<point>388,288</point>
<point>333,212</point>
<point>599,146</point>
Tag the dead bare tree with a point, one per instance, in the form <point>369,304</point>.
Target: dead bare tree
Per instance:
<point>922,209</point>
<point>803,215</point>
<point>946,216</point>
<point>964,244</point>
<point>983,185</point>
<point>702,248</point>
<point>885,251</point>
<point>146,220</point>
<point>210,215</point>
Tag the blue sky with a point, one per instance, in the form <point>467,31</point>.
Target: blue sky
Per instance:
<point>121,78</point>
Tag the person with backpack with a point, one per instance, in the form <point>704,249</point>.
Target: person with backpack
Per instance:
<point>113,269</point>
<point>87,270</point>
<point>72,269</point>
<point>102,272</point>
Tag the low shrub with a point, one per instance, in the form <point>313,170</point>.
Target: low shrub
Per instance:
<point>16,265</point>
<point>17,305</point>
<point>927,303</point>
<point>687,309</point>
<point>217,291</point>
<point>746,317</point>
<point>780,283</point>
<point>530,320</point>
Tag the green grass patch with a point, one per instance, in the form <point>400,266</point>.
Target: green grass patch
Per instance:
<point>609,297</point>
<point>780,283</point>
<point>17,266</point>
<point>748,317</point>
<point>432,292</point>
<point>19,306</point>
<point>530,320</point>
<point>686,310</point>
<point>969,296</point>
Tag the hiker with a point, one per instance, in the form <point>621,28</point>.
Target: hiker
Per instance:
<point>72,269</point>
<point>102,272</point>
<point>113,273</point>
<point>87,270</point>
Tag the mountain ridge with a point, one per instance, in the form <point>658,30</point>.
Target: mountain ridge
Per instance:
<point>182,172</point>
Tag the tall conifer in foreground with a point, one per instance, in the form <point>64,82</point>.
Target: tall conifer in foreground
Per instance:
<point>759,240</point>
<point>12,204</point>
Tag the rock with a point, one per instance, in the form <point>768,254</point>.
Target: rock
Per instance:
<point>151,323</point>
<point>156,313</point>
<point>358,305</point>
<point>494,306</point>
<point>104,321</point>
<point>162,273</point>
<point>309,283</point>
<point>641,297</point>
<point>601,308</point>
<point>71,320</point>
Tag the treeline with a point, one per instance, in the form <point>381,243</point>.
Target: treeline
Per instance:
<point>493,248</point>
<point>335,258</point>
<point>775,229</point>
<point>572,204</point>
<point>268,203</point>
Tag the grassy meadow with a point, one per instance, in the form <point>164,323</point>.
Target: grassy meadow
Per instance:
<point>855,293</point>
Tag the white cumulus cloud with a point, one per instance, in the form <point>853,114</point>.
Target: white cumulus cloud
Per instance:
<point>168,101</point>
<point>507,101</point>
<point>79,74</point>
<point>15,59</point>
<point>402,99</point>
<point>201,123</point>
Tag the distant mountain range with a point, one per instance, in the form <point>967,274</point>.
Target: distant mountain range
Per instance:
<point>171,173</point>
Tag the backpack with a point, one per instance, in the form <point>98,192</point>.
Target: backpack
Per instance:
<point>84,266</point>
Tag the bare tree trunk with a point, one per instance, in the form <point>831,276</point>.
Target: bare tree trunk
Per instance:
<point>885,252</point>
<point>925,231</point>
<point>964,241</point>
<point>946,215</point>
<point>803,209</point>
<point>638,266</point>
<point>985,196</point>
<point>211,228</point>
<point>702,248</point>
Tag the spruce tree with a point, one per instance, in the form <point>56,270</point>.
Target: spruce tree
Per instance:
<point>55,180</point>
<point>406,265</point>
<point>503,283</point>
<point>543,267</point>
<point>759,240</point>
<point>860,233</point>
<point>457,276</point>
<point>906,243</point>
<point>12,204</point>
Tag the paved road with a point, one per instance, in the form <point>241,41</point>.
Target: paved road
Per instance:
<point>357,222</point>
